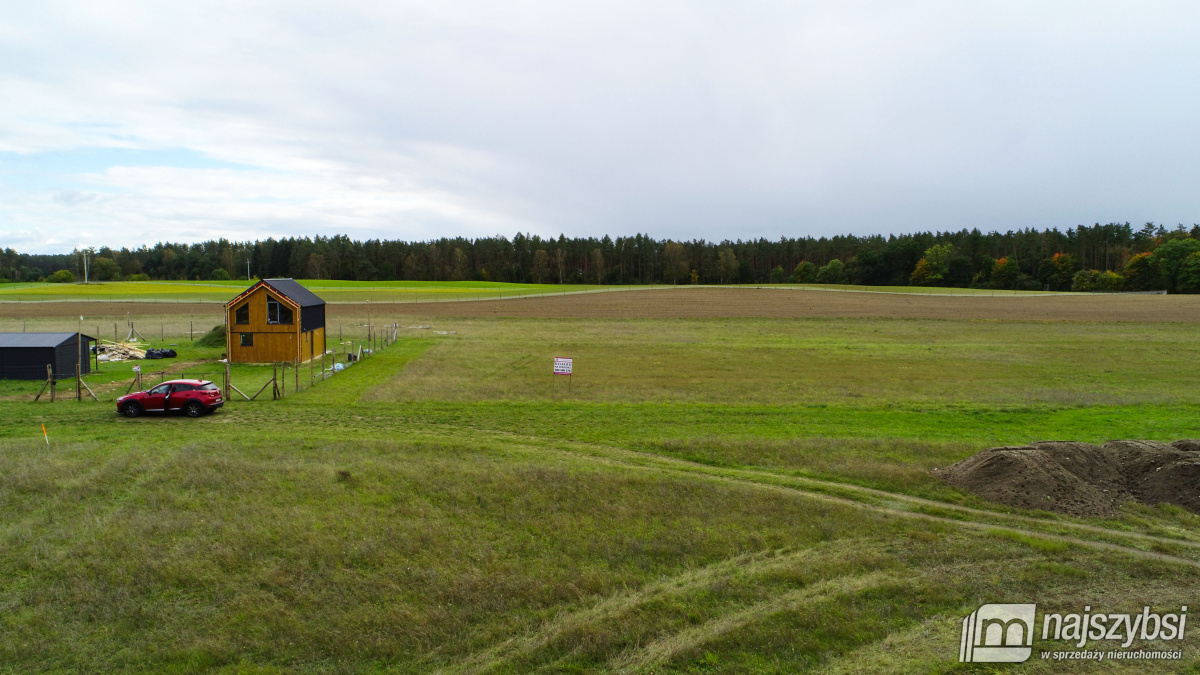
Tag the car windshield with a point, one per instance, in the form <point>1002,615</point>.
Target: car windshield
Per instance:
<point>208,387</point>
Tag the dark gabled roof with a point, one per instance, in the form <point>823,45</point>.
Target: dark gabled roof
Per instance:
<point>37,339</point>
<point>295,292</point>
<point>288,288</point>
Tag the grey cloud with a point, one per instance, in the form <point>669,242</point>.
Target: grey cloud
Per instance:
<point>678,119</point>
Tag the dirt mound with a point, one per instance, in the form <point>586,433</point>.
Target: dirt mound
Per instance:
<point>1081,479</point>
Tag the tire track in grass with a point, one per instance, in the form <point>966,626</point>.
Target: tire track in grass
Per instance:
<point>905,651</point>
<point>846,493</point>
<point>1021,534</point>
<point>821,484</point>
<point>865,497</point>
<point>662,651</point>
<point>766,480</point>
<point>620,604</point>
<point>503,655</point>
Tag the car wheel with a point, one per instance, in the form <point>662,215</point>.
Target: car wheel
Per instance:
<point>131,409</point>
<point>193,409</point>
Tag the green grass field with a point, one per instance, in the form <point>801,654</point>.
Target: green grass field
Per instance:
<point>331,291</point>
<point>373,291</point>
<point>709,496</point>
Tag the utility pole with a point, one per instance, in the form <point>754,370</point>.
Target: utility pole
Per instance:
<point>247,269</point>
<point>79,354</point>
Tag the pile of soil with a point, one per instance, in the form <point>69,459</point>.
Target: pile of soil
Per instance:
<point>1081,479</point>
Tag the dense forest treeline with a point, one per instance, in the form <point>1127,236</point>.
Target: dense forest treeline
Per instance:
<point>1115,256</point>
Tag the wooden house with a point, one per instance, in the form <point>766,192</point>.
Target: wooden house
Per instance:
<point>274,320</point>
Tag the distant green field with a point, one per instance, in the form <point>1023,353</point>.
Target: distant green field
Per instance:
<point>331,291</point>
<point>693,500</point>
<point>364,291</point>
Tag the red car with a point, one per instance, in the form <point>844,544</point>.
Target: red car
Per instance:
<point>192,397</point>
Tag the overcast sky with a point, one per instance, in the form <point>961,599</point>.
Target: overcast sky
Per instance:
<point>125,123</point>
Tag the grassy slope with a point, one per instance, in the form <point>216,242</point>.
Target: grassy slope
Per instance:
<point>494,521</point>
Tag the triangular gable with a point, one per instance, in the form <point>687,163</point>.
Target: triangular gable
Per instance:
<point>274,291</point>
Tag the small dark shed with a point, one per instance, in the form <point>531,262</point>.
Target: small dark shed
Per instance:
<point>24,356</point>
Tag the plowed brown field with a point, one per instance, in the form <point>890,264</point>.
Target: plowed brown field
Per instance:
<point>686,302</point>
<point>768,302</point>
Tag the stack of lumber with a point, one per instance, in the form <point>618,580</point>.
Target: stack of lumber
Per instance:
<point>118,351</point>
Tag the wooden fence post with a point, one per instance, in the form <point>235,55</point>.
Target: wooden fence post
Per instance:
<point>78,383</point>
<point>53,382</point>
<point>226,378</point>
<point>296,372</point>
<point>49,377</point>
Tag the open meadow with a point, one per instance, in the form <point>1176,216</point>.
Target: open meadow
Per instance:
<point>738,480</point>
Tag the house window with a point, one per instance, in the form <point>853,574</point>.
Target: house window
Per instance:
<point>277,312</point>
<point>247,339</point>
<point>242,314</point>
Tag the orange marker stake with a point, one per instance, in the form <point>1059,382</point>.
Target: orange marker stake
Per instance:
<point>45,434</point>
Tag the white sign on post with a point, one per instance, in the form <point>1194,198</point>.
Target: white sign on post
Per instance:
<point>562,365</point>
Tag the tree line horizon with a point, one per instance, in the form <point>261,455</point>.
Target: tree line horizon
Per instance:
<point>1110,257</point>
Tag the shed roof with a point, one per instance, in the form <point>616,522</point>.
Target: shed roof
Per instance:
<point>293,290</point>
<point>288,288</point>
<point>36,339</point>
